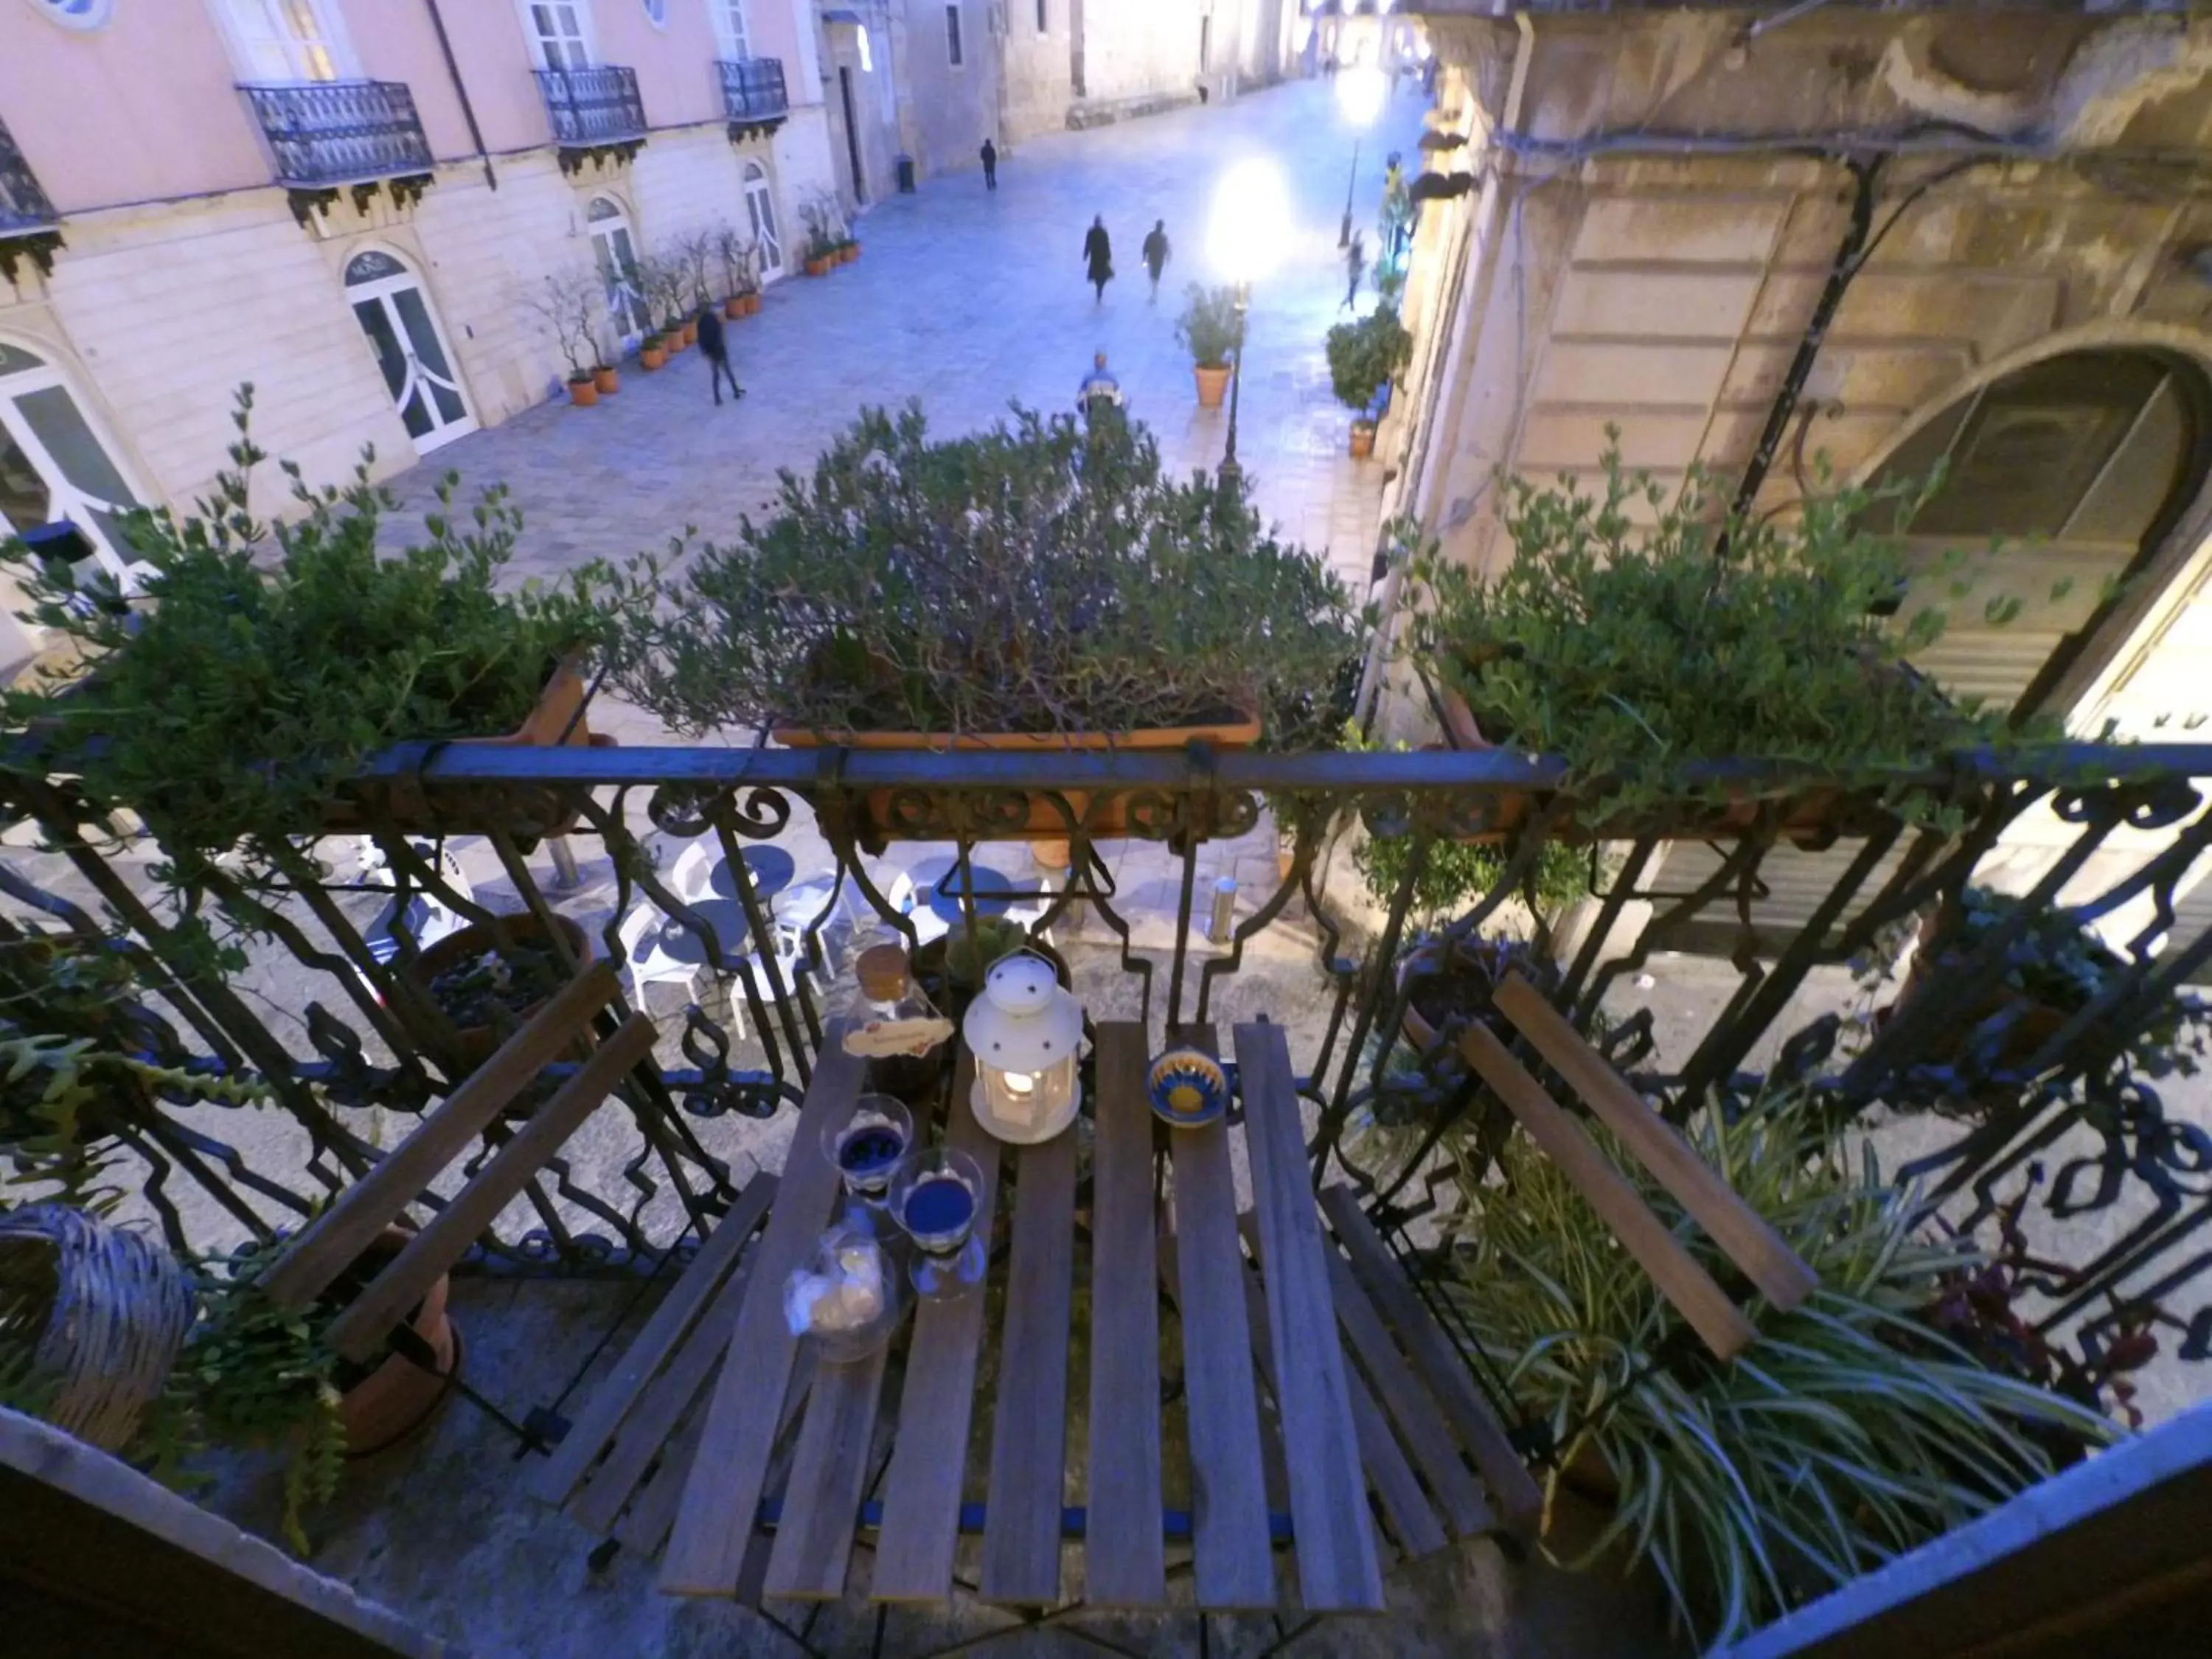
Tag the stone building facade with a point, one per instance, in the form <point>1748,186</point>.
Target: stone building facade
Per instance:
<point>1754,237</point>
<point>359,234</point>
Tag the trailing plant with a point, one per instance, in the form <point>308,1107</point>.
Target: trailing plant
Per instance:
<point>1634,633</point>
<point>1365,355</point>
<point>1852,1429</point>
<point>1034,578</point>
<point>1209,327</point>
<point>268,660</point>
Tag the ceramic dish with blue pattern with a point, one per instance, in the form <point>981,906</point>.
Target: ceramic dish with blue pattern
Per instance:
<point>1188,1089</point>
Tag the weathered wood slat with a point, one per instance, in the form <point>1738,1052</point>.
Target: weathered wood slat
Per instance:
<point>821,1500</point>
<point>1234,1558</point>
<point>1778,1271</point>
<point>554,1477</point>
<point>1028,1429</point>
<point>647,1523</point>
<point>721,1497</point>
<point>1338,1571</point>
<point>334,1241</point>
<point>1125,1562</point>
<point>929,1461</point>
<point>358,1333</point>
<point>1722,1325</point>
<point>1519,1499</point>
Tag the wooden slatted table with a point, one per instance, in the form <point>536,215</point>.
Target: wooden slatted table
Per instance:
<point>963,1426</point>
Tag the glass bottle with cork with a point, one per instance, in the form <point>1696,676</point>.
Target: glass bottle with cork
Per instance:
<point>892,1024</point>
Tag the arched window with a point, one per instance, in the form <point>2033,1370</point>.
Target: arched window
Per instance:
<point>2060,480</point>
<point>614,247</point>
<point>394,312</point>
<point>760,211</point>
<point>54,463</point>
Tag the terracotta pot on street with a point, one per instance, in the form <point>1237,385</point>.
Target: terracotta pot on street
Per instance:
<point>398,1396</point>
<point>817,267</point>
<point>1362,440</point>
<point>851,251</point>
<point>652,354</point>
<point>690,334</point>
<point>583,393</point>
<point>607,380</point>
<point>1213,384</point>
<point>753,305</point>
<point>734,306</point>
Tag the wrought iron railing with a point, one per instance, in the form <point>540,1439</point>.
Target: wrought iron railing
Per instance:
<point>331,1018</point>
<point>594,107</point>
<point>339,133</point>
<point>753,90</point>
<point>24,207</point>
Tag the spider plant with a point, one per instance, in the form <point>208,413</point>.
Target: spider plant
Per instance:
<point>1848,1433</point>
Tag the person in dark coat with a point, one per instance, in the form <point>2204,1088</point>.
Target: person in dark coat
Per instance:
<point>1155,254</point>
<point>1355,265</point>
<point>990,165</point>
<point>715,347</point>
<point>1098,257</point>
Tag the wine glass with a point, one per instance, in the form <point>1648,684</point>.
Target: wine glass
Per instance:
<point>935,1198</point>
<point>868,1148</point>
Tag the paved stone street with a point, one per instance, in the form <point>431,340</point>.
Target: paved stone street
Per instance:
<point>967,299</point>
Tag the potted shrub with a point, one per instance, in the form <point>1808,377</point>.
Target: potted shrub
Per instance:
<point>740,259</point>
<point>572,303</point>
<point>605,379</point>
<point>1210,329</point>
<point>1038,586</point>
<point>489,977</point>
<point>699,253</point>
<point>2054,969</point>
<point>233,706</point>
<point>253,1374</point>
<point>1632,651</point>
<point>1851,1432</point>
<point>651,351</point>
<point>1364,357</point>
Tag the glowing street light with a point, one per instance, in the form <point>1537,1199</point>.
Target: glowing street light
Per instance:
<point>1246,238</point>
<point>1361,90</point>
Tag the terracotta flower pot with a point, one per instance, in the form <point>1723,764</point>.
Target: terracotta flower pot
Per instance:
<point>1362,440</point>
<point>583,393</point>
<point>848,253</point>
<point>817,267</point>
<point>690,335</point>
<point>479,1042</point>
<point>652,355</point>
<point>734,306</point>
<point>1107,819</point>
<point>1213,384</point>
<point>607,378</point>
<point>398,1396</point>
<point>753,305</point>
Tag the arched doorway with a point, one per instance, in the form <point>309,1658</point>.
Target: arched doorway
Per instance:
<point>55,464</point>
<point>2061,481</point>
<point>614,248</point>
<point>760,210</point>
<point>388,300</point>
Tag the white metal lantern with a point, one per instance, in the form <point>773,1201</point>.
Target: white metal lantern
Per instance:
<point>1026,1034</point>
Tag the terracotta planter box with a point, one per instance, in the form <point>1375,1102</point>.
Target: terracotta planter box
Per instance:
<point>607,380</point>
<point>1213,384</point>
<point>1109,817</point>
<point>397,1396</point>
<point>584,393</point>
<point>480,1042</point>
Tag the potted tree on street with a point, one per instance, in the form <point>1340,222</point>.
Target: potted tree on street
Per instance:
<point>572,304</point>
<point>740,257</point>
<point>1211,329</point>
<point>1364,357</point>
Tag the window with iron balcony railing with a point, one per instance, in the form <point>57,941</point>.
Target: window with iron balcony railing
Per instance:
<point>753,90</point>
<point>336,132</point>
<point>593,106</point>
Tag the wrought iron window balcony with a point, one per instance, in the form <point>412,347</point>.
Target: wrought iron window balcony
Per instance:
<point>594,110</point>
<point>753,93</point>
<point>28,222</point>
<point>324,134</point>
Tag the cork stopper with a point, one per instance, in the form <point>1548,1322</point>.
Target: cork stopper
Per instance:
<point>883,973</point>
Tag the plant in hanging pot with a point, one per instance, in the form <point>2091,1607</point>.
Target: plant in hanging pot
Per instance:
<point>233,707</point>
<point>1635,636</point>
<point>1035,586</point>
<point>1210,329</point>
<point>1364,357</point>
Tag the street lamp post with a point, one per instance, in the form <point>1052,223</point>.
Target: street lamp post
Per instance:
<point>1360,91</point>
<point>1245,242</point>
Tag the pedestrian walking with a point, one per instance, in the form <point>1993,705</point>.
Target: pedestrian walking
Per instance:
<point>990,165</point>
<point>1098,258</point>
<point>1155,254</point>
<point>1355,265</point>
<point>1099,390</point>
<point>715,347</point>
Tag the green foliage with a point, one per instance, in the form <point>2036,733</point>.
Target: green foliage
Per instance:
<point>1034,578</point>
<point>1209,327</point>
<point>1631,650</point>
<point>1456,873</point>
<point>1364,355</point>
<point>269,660</point>
<point>253,1374</point>
<point>1849,1432</point>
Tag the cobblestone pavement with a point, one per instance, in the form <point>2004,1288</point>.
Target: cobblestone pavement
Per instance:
<point>966,298</point>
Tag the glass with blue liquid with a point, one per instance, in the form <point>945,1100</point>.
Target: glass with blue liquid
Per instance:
<point>935,1200</point>
<point>869,1148</point>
